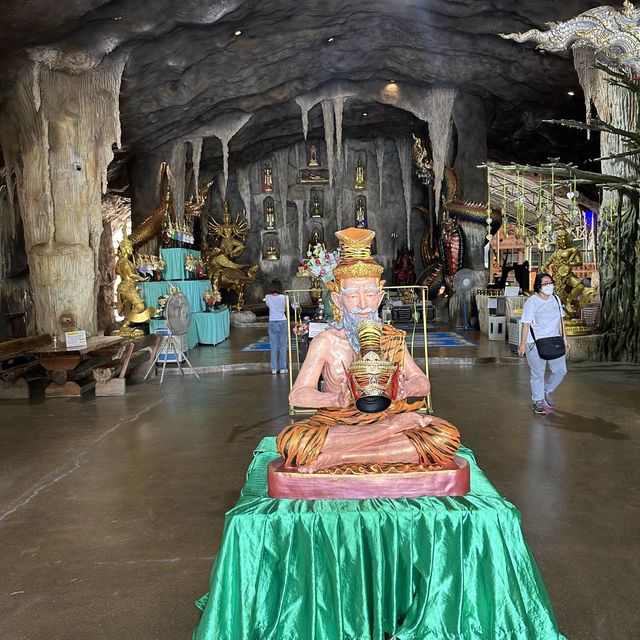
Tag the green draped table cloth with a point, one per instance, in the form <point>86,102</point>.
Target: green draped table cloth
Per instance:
<point>174,262</point>
<point>192,289</point>
<point>212,327</point>
<point>407,569</point>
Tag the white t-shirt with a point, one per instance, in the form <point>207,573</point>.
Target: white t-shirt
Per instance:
<point>276,304</point>
<point>543,315</point>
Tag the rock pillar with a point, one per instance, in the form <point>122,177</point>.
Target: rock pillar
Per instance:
<point>56,132</point>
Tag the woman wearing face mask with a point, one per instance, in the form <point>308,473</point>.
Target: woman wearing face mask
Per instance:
<point>543,312</point>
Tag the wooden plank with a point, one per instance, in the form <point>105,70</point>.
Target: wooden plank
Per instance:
<point>64,360</point>
<point>113,387</point>
<point>68,389</point>
<point>94,344</point>
<point>12,348</point>
<point>16,391</point>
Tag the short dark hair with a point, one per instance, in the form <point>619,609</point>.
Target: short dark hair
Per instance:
<point>276,286</point>
<point>537,283</point>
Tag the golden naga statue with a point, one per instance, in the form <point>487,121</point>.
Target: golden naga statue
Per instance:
<point>569,287</point>
<point>129,303</point>
<point>223,271</point>
<point>346,435</point>
<point>194,206</point>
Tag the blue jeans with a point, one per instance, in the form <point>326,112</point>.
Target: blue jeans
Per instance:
<point>278,338</point>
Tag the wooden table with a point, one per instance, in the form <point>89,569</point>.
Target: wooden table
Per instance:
<point>65,366</point>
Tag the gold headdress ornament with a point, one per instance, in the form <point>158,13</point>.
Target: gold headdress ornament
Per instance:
<point>356,259</point>
<point>373,380</point>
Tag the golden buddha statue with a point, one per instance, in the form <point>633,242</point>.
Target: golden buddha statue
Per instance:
<point>340,435</point>
<point>569,287</point>
<point>313,156</point>
<point>224,273</point>
<point>315,239</point>
<point>230,234</point>
<point>270,250</point>
<point>129,303</point>
<point>360,179</point>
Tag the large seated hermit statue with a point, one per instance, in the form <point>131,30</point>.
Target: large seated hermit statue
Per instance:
<point>391,437</point>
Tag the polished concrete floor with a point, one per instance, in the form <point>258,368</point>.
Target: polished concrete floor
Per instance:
<point>111,509</point>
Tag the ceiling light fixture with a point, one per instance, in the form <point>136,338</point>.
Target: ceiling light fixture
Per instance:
<point>331,39</point>
<point>392,81</point>
<point>364,114</point>
<point>571,93</point>
<point>238,33</point>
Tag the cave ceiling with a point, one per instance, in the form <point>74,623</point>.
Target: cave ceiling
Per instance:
<point>186,67</point>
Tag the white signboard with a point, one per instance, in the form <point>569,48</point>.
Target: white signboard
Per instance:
<point>76,339</point>
<point>316,328</point>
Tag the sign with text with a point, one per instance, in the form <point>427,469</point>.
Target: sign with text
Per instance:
<point>75,339</point>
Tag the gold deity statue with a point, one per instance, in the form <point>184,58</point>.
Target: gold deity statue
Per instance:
<point>361,214</point>
<point>269,214</point>
<point>360,179</point>
<point>223,271</point>
<point>231,235</point>
<point>267,178</point>
<point>270,250</point>
<point>315,239</point>
<point>129,304</point>
<point>313,156</point>
<point>568,286</point>
<point>316,207</point>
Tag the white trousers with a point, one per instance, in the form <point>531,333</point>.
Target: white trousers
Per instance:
<point>537,366</point>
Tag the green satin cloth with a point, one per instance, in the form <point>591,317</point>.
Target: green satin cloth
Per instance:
<point>174,262</point>
<point>211,327</point>
<point>415,569</point>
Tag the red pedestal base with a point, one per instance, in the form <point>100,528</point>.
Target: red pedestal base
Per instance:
<point>453,480</point>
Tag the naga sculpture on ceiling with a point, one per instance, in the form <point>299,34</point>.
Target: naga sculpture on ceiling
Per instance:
<point>613,33</point>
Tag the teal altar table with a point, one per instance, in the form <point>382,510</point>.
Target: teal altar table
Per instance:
<point>414,569</point>
<point>174,262</point>
<point>193,289</point>
<point>212,327</point>
<point>206,327</point>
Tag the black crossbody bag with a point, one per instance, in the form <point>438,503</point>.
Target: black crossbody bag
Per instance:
<point>553,347</point>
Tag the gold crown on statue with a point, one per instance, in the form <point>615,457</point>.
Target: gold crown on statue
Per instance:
<point>356,261</point>
<point>372,379</point>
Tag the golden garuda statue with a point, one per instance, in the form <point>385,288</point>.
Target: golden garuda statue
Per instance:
<point>129,302</point>
<point>231,235</point>
<point>224,272</point>
<point>352,432</point>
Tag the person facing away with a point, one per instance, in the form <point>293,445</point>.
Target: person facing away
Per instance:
<point>278,327</point>
<point>542,313</point>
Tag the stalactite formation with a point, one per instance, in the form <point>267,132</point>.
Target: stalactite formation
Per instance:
<point>329,136</point>
<point>244,187</point>
<point>405,157</point>
<point>282,187</point>
<point>196,155</point>
<point>57,132</point>
<point>380,144</point>
<point>176,155</point>
<point>439,113</point>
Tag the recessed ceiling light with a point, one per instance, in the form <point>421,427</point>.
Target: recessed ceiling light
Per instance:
<point>331,39</point>
<point>392,81</point>
<point>238,33</point>
<point>571,93</point>
<point>365,113</point>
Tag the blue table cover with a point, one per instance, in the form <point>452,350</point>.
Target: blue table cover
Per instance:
<point>193,289</point>
<point>174,262</point>
<point>212,327</point>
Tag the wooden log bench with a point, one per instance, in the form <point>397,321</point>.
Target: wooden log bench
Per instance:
<point>134,361</point>
<point>17,361</point>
